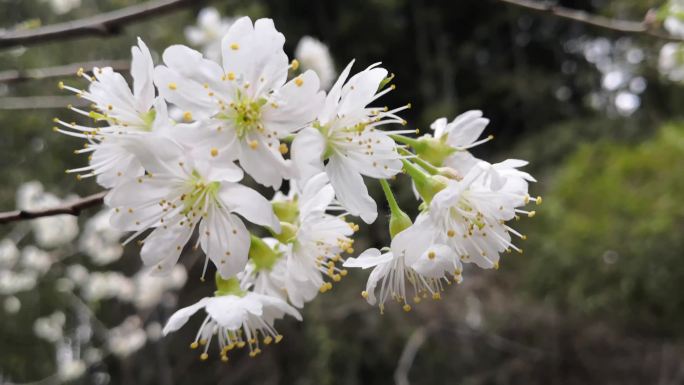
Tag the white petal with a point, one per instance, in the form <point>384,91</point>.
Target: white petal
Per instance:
<point>163,247</point>
<point>264,162</point>
<point>142,71</point>
<point>181,316</point>
<point>436,261</point>
<point>369,258</point>
<point>350,189</point>
<point>225,240</point>
<point>307,151</point>
<point>250,204</point>
<point>297,102</point>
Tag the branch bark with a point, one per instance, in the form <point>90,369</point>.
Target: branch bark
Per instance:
<point>109,23</point>
<point>11,76</point>
<point>73,208</point>
<point>645,27</point>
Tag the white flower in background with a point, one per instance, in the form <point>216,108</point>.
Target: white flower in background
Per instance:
<point>12,305</point>
<point>346,135</point>
<point>208,32</point>
<point>70,370</point>
<point>35,259</point>
<point>107,285</point>
<point>246,106</point>
<point>129,115</point>
<point>12,282</point>
<point>673,22</point>
<point>461,134</point>
<point>77,274</point>
<point>313,55</point>
<point>61,7</point>
<point>671,62</point>
<point>413,262</point>
<point>51,231</point>
<point>178,194</point>
<point>127,338</point>
<point>235,320</point>
<point>50,328</point>
<point>9,253</point>
<point>100,241</point>
<point>150,289</point>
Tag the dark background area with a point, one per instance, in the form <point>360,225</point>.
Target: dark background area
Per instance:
<point>595,298</point>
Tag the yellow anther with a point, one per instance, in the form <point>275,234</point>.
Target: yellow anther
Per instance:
<point>299,81</point>
<point>451,233</point>
<point>231,76</point>
<point>203,342</point>
<point>531,214</point>
<point>268,340</point>
<point>336,277</point>
<point>278,338</point>
<point>235,46</point>
<point>60,85</point>
<point>496,266</point>
<point>294,65</point>
<point>224,358</point>
<point>416,299</point>
<point>173,86</point>
<point>187,116</point>
<point>523,237</point>
<point>364,294</point>
<point>253,144</point>
<point>343,273</point>
<point>194,345</point>
<point>283,148</point>
<point>204,356</point>
<point>350,250</point>
<point>406,307</point>
<point>241,344</point>
<point>539,200</point>
<point>436,295</point>
<point>80,72</point>
<point>432,255</point>
<point>214,152</point>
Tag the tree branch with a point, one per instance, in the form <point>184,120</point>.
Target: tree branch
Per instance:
<point>104,24</point>
<point>73,208</point>
<point>645,27</point>
<point>11,76</point>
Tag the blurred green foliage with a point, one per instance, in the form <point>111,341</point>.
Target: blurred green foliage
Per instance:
<point>611,243</point>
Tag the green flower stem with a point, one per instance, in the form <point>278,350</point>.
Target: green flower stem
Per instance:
<point>399,220</point>
<point>406,140</point>
<point>427,166</point>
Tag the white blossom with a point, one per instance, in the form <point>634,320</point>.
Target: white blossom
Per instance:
<point>50,328</point>
<point>314,55</point>
<point>345,133</point>
<point>127,338</point>
<point>245,106</point>
<point>177,195</point>
<point>235,320</point>
<point>52,231</point>
<point>208,32</point>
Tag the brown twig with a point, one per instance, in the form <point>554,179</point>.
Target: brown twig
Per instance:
<point>109,23</point>
<point>72,208</point>
<point>11,76</point>
<point>645,27</point>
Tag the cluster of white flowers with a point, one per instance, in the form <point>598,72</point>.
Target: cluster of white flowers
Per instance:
<point>671,59</point>
<point>180,183</point>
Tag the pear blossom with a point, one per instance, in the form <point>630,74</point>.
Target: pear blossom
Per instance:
<point>128,114</point>
<point>314,55</point>
<point>245,106</point>
<point>179,194</point>
<point>208,32</point>
<point>235,320</point>
<point>346,135</point>
<point>671,61</point>
<point>413,262</point>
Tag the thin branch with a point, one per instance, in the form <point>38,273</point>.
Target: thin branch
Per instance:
<point>72,208</point>
<point>105,24</point>
<point>645,27</point>
<point>11,76</point>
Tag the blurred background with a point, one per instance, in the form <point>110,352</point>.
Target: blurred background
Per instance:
<point>597,296</point>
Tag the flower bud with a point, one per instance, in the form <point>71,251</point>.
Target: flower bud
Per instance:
<point>432,150</point>
<point>261,254</point>
<point>399,221</point>
<point>230,286</point>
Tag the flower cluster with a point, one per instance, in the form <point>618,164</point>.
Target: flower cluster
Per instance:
<point>177,183</point>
